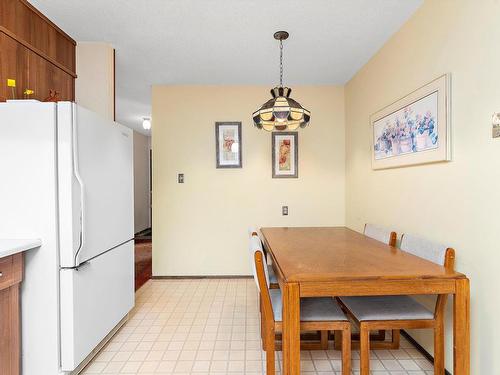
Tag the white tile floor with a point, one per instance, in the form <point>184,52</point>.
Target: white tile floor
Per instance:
<point>212,327</point>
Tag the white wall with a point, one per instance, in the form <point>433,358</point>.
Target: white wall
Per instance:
<point>141,182</point>
<point>94,86</point>
<point>454,203</point>
<point>200,227</point>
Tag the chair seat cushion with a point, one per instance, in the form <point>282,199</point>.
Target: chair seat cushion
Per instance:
<point>386,308</point>
<point>311,309</point>
<point>272,276</point>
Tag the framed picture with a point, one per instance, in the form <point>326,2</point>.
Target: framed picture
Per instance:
<point>415,129</point>
<point>285,149</point>
<point>228,144</point>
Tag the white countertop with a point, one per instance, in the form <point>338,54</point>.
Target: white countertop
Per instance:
<point>11,246</point>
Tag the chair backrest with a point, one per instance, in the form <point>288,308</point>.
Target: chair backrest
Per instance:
<point>380,234</point>
<point>436,253</point>
<point>252,231</point>
<point>424,248</point>
<point>261,277</point>
<point>255,246</point>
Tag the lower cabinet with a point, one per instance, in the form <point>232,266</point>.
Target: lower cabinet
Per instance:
<point>11,275</point>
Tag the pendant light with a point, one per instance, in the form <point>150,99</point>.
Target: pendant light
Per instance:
<point>281,112</point>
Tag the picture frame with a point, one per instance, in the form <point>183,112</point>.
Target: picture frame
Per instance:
<point>285,154</point>
<point>415,129</point>
<point>228,144</point>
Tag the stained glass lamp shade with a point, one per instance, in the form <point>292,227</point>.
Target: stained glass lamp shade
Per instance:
<point>281,112</point>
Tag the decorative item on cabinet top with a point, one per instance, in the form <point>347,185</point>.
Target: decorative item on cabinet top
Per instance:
<point>53,96</point>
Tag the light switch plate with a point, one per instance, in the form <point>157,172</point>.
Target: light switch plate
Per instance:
<point>284,210</point>
<point>180,178</point>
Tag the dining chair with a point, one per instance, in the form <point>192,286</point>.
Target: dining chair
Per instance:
<point>322,314</point>
<point>403,312</point>
<point>273,280</point>
<point>389,237</point>
<point>380,234</point>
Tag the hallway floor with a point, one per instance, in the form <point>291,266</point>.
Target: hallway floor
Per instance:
<point>143,262</point>
<point>211,326</point>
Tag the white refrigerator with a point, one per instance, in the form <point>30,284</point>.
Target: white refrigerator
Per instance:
<point>66,177</point>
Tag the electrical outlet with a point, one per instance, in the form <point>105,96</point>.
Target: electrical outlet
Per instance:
<point>180,178</point>
<point>284,210</point>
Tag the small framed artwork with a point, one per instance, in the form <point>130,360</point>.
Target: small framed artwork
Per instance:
<point>415,129</point>
<point>228,144</point>
<point>285,151</point>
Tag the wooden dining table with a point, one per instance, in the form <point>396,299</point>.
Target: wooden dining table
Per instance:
<point>337,261</point>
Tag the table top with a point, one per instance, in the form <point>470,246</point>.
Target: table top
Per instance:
<point>339,253</point>
<point>14,246</point>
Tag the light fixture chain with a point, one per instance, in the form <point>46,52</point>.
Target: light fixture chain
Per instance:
<point>281,63</point>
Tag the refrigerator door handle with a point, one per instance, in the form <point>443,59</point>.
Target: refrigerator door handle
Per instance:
<point>78,177</point>
<point>77,267</point>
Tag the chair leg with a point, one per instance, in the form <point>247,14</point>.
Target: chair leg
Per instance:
<point>270,348</point>
<point>337,340</point>
<point>262,325</point>
<point>395,338</point>
<point>346,350</point>
<point>439,347</point>
<point>364,341</point>
<point>324,339</point>
<point>380,336</point>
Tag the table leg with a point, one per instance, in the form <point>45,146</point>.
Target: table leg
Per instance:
<point>461,328</point>
<point>291,329</point>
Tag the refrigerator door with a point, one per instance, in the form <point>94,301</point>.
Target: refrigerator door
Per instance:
<point>95,168</point>
<point>93,300</point>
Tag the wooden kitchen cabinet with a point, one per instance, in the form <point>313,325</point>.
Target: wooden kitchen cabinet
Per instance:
<point>11,275</point>
<point>34,52</point>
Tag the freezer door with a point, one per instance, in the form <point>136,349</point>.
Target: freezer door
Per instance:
<point>95,164</point>
<point>93,300</point>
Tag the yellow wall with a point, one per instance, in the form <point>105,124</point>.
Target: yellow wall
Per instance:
<point>94,87</point>
<point>455,203</point>
<point>141,182</point>
<point>200,227</point>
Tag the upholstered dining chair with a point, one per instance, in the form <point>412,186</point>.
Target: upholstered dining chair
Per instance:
<point>403,312</point>
<point>389,237</point>
<point>380,234</point>
<point>323,314</point>
<point>273,280</point>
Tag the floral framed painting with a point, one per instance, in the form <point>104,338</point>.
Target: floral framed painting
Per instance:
<point>228,144</point>
<point>415,129</point>
<point>285,155</point>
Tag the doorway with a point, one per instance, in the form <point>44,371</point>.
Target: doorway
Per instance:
<point>142,209</point>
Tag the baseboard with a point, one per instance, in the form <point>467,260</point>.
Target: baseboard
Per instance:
<point>202,277</point>
<point>420,348</point>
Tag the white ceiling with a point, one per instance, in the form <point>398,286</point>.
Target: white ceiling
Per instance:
<point>227,41</point>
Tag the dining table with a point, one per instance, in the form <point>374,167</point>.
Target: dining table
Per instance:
<point>338,261</point>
